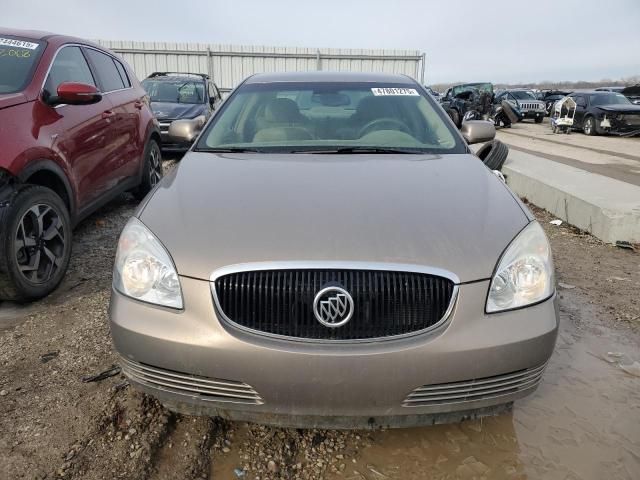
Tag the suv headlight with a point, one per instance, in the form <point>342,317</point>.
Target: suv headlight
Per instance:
<point>525,272</point>
<point>144,269</point>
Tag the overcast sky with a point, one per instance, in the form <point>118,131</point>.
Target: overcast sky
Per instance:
<point>501,41</point>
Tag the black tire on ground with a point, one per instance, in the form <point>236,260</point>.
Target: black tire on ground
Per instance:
<point>539,119</point>
<point>589,126</point>
<point>455,117</point>
<point>151,171</point>
<point>493,154</point>
<point>35,246</point>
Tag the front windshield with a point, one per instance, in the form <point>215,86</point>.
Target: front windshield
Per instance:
<point>521,95</point>
<point>175,91</point>
<point>609,99</point>
<point>298,117</point>
<point>18,59</point>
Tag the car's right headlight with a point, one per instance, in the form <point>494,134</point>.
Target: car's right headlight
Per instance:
<point>524,275</point>
<point>144,269</point>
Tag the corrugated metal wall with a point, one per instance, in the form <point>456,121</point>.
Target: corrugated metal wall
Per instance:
<point>228,65</point>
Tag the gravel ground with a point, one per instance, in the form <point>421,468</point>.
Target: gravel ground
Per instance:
<point>55,425</point>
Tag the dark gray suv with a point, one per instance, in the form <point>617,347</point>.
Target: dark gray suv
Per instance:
<point>181,96</point>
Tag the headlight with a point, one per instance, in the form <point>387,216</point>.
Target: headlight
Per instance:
<point>525,272</point>
<point>144,270</point>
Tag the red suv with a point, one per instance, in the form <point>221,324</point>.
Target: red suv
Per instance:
<point>76,130</point>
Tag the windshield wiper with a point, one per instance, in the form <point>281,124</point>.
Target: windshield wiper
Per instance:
<point>228,150</point>
<point>347,150</point>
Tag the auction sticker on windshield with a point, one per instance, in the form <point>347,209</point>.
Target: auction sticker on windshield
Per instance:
<point>10,42</point>
<point>392,91</point>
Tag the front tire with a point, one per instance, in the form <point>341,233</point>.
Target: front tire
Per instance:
<point>539,119</point>
<point>152,171</point>
<point>35,246</point>
<point>589,126</point>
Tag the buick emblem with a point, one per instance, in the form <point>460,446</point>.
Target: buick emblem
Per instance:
<point>333,307</point>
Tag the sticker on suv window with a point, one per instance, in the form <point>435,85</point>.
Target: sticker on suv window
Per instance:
<point>392,91</point>
<point>11,42</point>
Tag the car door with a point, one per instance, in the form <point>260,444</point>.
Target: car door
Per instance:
<point>83,139</point>
<point>581,109</point>
<point>123,148</point>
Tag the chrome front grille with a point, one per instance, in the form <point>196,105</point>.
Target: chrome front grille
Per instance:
<point>164,127</point>
<point>477,389</point>
<point>531,106</point>
<point>206,389</point>
<point>386,303</point>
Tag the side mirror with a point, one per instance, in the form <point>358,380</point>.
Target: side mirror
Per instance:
<point>185,131</point>
<point>478,131</point>
<point>73,93</point>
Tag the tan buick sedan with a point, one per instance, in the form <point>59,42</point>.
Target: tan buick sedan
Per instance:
<point>331,253</point>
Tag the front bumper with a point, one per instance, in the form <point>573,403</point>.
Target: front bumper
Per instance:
<point>533,114</point>
<point>244,376</point>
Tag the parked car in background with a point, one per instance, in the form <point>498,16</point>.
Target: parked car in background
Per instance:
<point>550,97</point>
<point>466,97</point>
<point>609,89</point>
<point>600,112</point>
<point>75,131</point>
<point>332,254</point>
<point>433,93</point>
<point>526,102</point>
<point>188,97</point>
<point>632,93</point>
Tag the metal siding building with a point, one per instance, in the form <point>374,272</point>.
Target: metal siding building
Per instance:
<point>228,65</point>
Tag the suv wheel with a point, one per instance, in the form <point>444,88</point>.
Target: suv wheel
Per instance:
<point>35,246</point>
<point>152,171</point>
<point>589,126</point>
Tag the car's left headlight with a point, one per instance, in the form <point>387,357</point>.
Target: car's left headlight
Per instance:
<point>525,272</point>
<point>144,269</point>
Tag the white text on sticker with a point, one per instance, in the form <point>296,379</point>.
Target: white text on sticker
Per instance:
<point>378,92</point>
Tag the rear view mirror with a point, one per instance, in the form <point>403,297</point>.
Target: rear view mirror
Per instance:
<point>74,93</point>
<point>478,131</point>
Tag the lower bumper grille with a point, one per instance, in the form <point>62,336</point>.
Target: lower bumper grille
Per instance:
<point>477,389</point>
<point>207,389</point>
<point>385,303</point>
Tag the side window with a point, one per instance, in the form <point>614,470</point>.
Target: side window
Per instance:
<point>580,101</point>
<point>216,92</point>
<point>105,67</point>
<point>68,66</point>
<point>123,73</point>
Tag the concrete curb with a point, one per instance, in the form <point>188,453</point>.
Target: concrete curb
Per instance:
<point>607,208</point>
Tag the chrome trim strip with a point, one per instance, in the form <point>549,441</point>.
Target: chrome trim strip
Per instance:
<point>328,265</point>
<point>324,265</point>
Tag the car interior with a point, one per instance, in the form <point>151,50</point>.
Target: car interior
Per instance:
<point>324,116</point>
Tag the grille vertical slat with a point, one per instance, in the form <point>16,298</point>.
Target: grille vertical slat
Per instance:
<point>386,303</point>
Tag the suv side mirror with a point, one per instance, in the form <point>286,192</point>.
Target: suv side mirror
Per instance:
<point>74,93</point>
<point>478,131</point>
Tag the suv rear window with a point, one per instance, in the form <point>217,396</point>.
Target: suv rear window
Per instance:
<point>18,60</point>
<point>108,75</point>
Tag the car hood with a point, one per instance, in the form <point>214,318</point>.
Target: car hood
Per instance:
<point>12,99</point>
<point>448,212</point>
<point>175,111</point>
<point>620,108</point>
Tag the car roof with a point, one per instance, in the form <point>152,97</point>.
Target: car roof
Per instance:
<point>55,38</point>
<point>315,76</point>
<point>174,78</point>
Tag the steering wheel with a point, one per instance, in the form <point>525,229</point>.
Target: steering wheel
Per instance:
<point>383,124</point>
